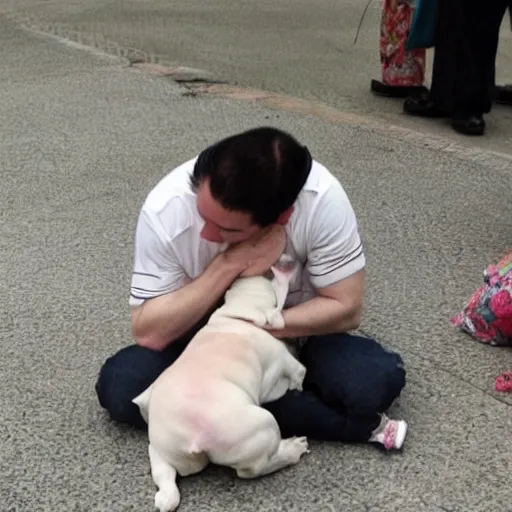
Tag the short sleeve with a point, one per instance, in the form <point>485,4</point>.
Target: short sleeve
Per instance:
<point>156,270</point>
<point>335,249</point>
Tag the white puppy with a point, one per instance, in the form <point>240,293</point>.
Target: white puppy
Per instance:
<point>206,406</point>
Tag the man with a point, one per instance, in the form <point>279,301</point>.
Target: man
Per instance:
<point>230,212</point>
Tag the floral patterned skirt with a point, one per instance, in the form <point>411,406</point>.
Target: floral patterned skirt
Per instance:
<point>400,68</point>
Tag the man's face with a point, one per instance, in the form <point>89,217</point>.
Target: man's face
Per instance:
<point>221,225</point>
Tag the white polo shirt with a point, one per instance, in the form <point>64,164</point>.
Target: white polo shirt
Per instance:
<point>322,237</point>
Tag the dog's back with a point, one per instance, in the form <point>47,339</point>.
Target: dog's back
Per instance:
<point>205,406</point>
<point>230,363</point>
<point>221,372</point>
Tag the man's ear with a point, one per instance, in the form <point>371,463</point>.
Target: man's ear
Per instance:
<point>284,271</point>
<point>285,216</point>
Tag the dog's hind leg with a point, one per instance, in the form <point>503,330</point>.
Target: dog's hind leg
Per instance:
<point>287,373</point>
<point>289,452</point>
<point>294,369</point>
<point>164,475</point>
<point>256,445</point>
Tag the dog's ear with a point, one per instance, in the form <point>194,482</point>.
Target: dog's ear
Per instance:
<point>142,401</point>
<point>284,271</point>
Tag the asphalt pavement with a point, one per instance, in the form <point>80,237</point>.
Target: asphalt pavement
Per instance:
<point>323,51</point>
<point>83,138</point>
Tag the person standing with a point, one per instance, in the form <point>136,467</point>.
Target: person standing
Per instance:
<point>403,72</point>
<point>463,76</point>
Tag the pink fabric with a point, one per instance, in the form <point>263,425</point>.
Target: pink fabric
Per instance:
<point>390,435</point>
<point>488,314</point>
<point>399,66</point>
<point>504,382</point>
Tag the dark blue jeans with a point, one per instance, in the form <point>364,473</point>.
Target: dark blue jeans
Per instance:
<point>349,381</point>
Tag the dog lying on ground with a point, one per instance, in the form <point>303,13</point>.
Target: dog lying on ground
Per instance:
<point>206,406</point>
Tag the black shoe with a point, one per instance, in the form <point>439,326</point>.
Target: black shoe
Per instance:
<point>472,125</point>
<point>392,91</point>
<point>503,94</point>
<point>422,106</point>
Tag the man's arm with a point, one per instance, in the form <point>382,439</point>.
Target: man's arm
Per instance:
<point>161,320</point>
<point>337,308</point>
<point>335,266</point>
<point>164,305</point>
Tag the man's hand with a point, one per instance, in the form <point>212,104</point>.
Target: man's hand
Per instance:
<point>336,308</point>
<point>260,252</point>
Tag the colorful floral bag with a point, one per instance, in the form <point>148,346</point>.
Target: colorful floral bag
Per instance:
<point>488,314</point>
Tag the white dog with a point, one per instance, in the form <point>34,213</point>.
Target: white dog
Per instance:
<point>206,406</point>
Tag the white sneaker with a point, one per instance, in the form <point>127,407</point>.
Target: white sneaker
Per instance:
<point>390,433</point>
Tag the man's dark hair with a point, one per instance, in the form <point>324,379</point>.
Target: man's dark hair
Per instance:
<point>259,172</point>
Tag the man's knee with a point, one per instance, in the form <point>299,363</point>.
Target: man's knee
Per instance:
<point>353,372</point>
<point>125,375</point>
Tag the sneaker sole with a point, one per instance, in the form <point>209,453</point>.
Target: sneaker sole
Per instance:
<point>400,434</point>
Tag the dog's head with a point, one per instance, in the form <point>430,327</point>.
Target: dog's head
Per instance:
<point>252,298</point>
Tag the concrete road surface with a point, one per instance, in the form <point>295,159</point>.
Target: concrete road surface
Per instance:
<point>325,50</point>
<point>83,138</point>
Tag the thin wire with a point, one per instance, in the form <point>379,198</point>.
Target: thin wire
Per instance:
<point>361,21</point>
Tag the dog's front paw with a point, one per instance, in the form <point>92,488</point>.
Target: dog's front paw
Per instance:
<point>167,501</point>
<point>259,319</point>
<point>275,319</point>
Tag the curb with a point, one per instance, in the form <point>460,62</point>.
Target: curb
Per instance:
<point>275,101</point>
<point>201,82</point>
